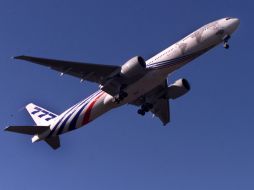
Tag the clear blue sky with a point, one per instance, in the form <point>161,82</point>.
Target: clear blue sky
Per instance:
<point>208,145</point>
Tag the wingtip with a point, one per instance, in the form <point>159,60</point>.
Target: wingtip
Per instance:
<point>18,57</point>
<point>165,124</point>
<point>6,128</point>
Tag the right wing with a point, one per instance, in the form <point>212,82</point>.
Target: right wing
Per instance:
<point>160,104</point>
<point>161,110</point>
<point>85,71</point>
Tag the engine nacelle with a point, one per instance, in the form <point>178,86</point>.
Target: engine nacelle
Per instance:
<point>134,68</point>
<point>177,89</point>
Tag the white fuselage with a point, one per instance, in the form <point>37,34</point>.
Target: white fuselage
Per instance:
<point>162,64</point>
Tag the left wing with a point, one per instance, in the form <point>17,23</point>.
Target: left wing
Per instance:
<point>156,97</point>
<point>85,71</point>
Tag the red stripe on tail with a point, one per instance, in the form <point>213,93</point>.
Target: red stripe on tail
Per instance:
<point>89,109</point>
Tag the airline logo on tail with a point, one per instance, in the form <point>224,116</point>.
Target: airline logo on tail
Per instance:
<point>40,115</point>
<point>43,114</point>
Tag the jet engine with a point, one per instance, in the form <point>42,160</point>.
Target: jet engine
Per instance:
<point>178,88</point>
<point>134,68</point>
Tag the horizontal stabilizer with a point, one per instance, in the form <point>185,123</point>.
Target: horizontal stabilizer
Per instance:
<point>29,130</point>
<point>54,142</point>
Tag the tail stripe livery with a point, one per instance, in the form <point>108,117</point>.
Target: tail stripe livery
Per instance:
<point>73,122</point>
<point>61,124</point>
<point>67,117</point>
<point>82,105</point>
<point>78,111</point>
<point>75,119</point>
<point>66,114</point>
<point>89,109</point>
<point>60,120</point>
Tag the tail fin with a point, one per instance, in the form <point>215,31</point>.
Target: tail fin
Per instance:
<point>41,116</point>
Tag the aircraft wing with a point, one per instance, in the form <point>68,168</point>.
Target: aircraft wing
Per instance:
<point>162,111</point>
<point>160,104</point>
<point>85,71</point>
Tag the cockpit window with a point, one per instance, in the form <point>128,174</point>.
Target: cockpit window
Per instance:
<point>228,18</point>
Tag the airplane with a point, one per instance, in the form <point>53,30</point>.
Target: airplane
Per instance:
<point>137,82</point>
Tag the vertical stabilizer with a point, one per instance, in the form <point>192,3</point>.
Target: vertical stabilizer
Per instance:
<point>41,116</point>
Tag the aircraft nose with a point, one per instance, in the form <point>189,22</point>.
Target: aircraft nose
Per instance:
<point>235,23</point>
<point>231,24</point>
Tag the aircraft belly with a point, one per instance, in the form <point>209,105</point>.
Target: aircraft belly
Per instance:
<point>144,85</point>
